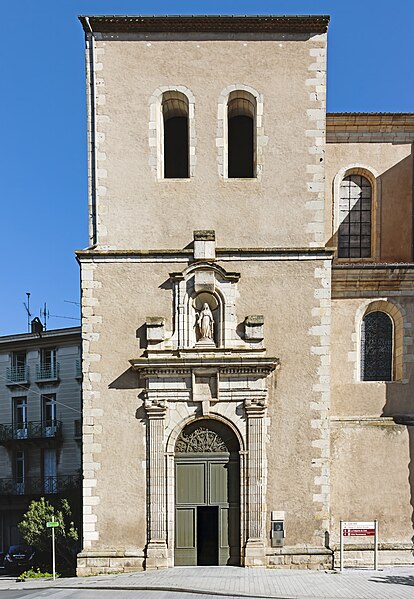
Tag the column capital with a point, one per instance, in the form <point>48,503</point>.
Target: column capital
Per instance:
<point>155,408</point>
<point>255,407</point>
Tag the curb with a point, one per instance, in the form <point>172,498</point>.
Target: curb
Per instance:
<point>157,588</point>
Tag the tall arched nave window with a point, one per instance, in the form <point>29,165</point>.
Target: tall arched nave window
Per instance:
<point>355,216</point>
<point>377,347</point>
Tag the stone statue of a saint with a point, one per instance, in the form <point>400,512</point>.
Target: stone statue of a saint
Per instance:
<point>205,323</point>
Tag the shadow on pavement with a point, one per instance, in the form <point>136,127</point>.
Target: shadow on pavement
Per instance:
<point>406,580</point>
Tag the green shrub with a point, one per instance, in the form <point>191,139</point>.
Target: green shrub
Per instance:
<point>33,530</point>
<point>36,574</point>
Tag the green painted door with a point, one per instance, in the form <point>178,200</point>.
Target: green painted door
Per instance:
<point>207,512</point>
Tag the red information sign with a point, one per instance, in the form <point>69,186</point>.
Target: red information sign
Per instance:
<point>359,532</point>
<point>358,529</point>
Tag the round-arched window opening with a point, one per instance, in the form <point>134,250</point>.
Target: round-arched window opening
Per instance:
<point>376,347</point>
<point>176,135</point>
<point>355,214</point>
<point>241,114</point>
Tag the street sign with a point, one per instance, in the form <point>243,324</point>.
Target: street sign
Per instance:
<point>53,525</point>
<point>358,529</point>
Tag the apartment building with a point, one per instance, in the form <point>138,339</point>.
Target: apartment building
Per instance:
<point>40,421</point>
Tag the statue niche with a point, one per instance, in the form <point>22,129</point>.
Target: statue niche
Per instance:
<point>206,320</point>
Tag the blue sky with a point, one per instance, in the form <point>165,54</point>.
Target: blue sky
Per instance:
<point>43,130</point>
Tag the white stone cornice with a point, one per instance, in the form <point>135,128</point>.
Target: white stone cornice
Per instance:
<point>224,364</point>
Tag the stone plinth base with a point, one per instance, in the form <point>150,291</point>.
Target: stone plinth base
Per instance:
<point>309,558</point>
<point>364,556</point>
<point>156,556</point>
<point>109,562</point>
<point>254,554</point>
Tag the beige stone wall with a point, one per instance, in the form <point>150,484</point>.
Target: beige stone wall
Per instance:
<point>114,431</point>
<point>371,473</point>
<point>349,395</point>
<point>297,457</point>
<point>393,166</point>
<point>135,209</point>
<point>371,456</point>
<point>115,421</point>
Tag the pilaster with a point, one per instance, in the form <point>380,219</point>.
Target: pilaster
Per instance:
<point>157,528</point>
<point>255,545</point>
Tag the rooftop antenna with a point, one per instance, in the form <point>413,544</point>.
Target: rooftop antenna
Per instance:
<point>45,314</point>
<point>29,314</point>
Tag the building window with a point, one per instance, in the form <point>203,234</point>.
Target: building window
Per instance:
<point>376,347</point>
<point>20,472</point>
<point>20,417</point>
<point>241,142</point>
<point>175,123</point>
<point>355,208</point>
<point>49,471</point>
<point>48,364</point>
<point>19,359</point>
<point>49,415</point>
<point>18,371</point>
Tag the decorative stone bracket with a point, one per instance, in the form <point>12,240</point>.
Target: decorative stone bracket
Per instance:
<point>155,326</point>
<point>254,328</point>
<point>204,245</point>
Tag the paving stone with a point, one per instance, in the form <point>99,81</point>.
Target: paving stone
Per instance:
<point>387,583</point>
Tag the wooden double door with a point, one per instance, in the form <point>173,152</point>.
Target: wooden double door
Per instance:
<point>207,509</point>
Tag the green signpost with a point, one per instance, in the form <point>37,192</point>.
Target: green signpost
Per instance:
<point>53,525</point>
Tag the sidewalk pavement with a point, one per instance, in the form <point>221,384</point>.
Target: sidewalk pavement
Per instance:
<point>387,583</point>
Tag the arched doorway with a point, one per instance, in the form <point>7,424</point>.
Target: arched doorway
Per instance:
<point>207,495</point>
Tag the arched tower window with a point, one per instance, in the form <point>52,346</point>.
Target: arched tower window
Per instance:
<point>175,121</point>
<point>376,347</point>
<point>241,116</point>
<point>355,215</point>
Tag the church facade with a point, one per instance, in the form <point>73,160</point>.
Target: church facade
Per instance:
<point>247,301</point>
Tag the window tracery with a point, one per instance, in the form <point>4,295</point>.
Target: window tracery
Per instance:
<point>355,215</point>
<point>377,347</point>
<point>201,440</point>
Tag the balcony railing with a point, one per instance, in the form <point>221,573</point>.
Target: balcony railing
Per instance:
<point>46,372</point>
<point>30,430</point>
<point>40,485</point>
<point>17,374</point>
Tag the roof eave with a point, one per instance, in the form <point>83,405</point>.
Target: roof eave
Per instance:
<point>205,23</point>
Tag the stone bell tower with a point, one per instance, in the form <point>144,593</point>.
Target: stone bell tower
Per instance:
<point>205,293</point>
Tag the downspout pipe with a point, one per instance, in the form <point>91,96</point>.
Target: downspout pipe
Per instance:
<point>90,44</point>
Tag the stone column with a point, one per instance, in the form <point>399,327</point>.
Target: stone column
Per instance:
<point>255,544</point>
<point>157,492</point>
